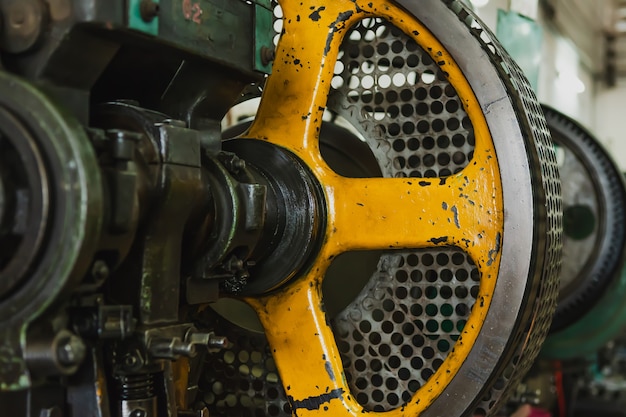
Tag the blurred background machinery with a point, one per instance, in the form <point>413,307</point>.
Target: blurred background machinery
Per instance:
<point>580,369</point>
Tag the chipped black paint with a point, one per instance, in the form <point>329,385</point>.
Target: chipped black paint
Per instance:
<point>444,205</point>
<point>424,183</point>
<point>329,370</point>
<point>438,240</point>
<point>337,25</point>
<point>456,216</point>
<point>315,15</point>
<point>493,252</point>
<point>315,402</point>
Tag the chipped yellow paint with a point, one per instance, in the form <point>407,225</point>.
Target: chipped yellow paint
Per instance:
<point>180,372</point>
<point>464,210</point>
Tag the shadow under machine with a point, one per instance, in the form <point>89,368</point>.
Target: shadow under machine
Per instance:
<point>385,235</point>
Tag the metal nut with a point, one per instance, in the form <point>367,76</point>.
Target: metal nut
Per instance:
<point>71,351</point>
<point>149,9</point>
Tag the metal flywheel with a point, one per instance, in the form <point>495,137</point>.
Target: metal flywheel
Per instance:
<point>436,175</point>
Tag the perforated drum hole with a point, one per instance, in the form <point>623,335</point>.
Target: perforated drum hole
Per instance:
<point>356,335</point>
<point>416,309</point>
<point>273,410</point>
<point>446,275</point>
<point>428,77</point>
<point>462,309</point>
<point>460,325</point>
<point>461,275</point>
<point>431,275</point>
<point>474,291</point>
<point>461,292</point>
<point>387,327</point>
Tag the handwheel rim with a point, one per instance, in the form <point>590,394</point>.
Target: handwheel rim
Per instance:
<point>495,101</point>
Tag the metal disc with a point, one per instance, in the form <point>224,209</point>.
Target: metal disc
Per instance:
<point>412,312</point>
<point>592,279</point>
<point>55,177</point>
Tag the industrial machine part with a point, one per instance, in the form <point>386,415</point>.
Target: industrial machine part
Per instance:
<point>126,224</point>
<point>592,279</point>
<point>582,360</point>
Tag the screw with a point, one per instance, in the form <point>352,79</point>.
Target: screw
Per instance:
<point>71,351</point>
<point>100,271</point>
<point>234,264</point>
<point>234,164</point>
<point>267,55</point>
<point>218,342</point>
<point>149,9</point>
<point>133,359</point>
<point>130,360</point>
<point>138,412</point>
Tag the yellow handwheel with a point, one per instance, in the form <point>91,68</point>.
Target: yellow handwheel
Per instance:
<point>467,212</point>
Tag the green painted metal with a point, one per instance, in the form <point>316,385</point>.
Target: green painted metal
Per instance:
<point>236,33</point>
<point>219,29</point>
<point>135,21</point>
<point>522,38</point>
<point>264,3</point>
<point>263,34</point>
<point>601,324</point>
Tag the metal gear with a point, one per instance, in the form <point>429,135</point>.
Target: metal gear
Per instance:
<point>53,202</point>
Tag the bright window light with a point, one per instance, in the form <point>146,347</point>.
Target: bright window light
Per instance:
<point>479,3</point>
<point>571,81</point>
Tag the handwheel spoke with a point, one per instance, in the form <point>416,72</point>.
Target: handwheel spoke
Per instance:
<point>396,213</point>
<point>305,351</point>
<point>294,97</point>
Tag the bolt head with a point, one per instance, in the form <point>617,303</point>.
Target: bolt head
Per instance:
<point>100,270</point>
<point>149,9</point>
<point>71,351</point>
<point>138,412</point>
